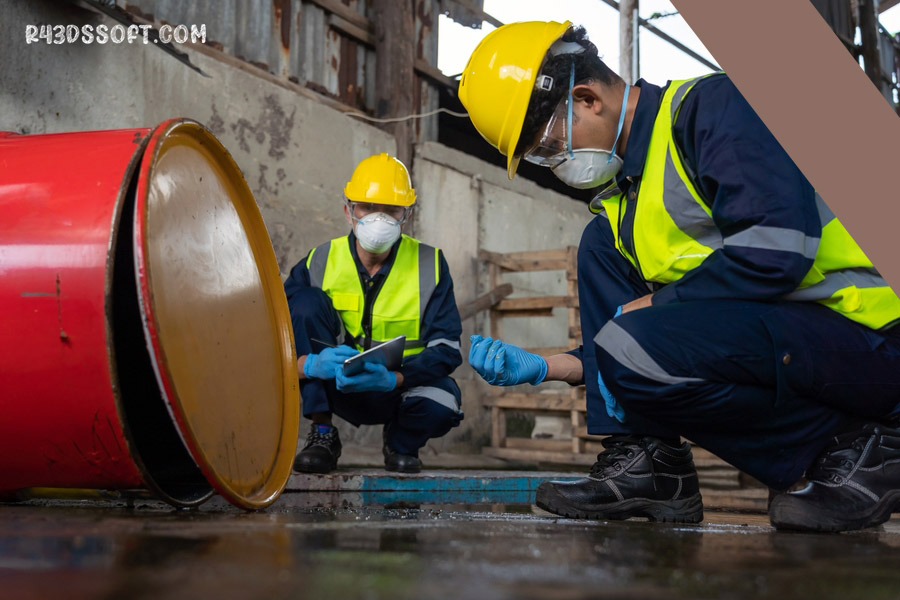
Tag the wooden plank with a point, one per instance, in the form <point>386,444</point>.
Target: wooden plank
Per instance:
<point>367,37</point>
<point>581,432</point>
<point>577,442</point>
<point>540,260</point>
<point>574,318</point>
<point>351,29</point>
<point>535,456</point>
<point>485,301</point>
<point>528,255</point>
<point>494,281</point>
<point>345,12</point>
<point>518,314</point>
<point>539,445</point>
<point>433,73</point>
<point>533,302</point>
<point>548,402</point>
<point>498,427</point>
<point>395,78</point>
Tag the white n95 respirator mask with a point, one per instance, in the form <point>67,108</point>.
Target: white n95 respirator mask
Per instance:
<point>588,168</point>
<point>377,232</point>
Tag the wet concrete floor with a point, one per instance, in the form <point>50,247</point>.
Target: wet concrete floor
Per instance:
<point>311,545</point>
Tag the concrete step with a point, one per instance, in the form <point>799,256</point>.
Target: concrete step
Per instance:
<point>366,487</point>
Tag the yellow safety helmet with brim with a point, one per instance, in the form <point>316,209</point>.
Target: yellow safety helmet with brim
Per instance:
<point>381,179</point>
<point>496,85</point>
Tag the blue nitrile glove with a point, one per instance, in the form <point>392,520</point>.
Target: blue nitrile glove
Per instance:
<point>618,311</point>
<point>374,378</point>
<point>324,364</point>
<point>613,408</point>
<point>504,364</point>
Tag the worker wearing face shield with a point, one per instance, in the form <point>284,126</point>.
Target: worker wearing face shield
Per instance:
<point>721,300</point>
<point>357,291</point>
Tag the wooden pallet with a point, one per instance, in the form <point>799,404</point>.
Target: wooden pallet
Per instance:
<point>571,402</point>
<point>582,449</point>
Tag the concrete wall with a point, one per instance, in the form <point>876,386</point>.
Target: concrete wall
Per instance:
<point>296,154</point>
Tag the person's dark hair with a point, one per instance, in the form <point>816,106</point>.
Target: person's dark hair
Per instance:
<point>588,66</point>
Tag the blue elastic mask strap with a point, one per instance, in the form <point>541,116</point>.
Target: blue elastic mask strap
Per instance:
<point>621,123</point>
<point>569,116</point>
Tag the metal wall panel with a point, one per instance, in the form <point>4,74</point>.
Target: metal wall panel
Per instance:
<point>295,40</point>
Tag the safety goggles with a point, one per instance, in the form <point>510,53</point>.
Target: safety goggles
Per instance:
<point>360,210</point>
<point>554,147</point>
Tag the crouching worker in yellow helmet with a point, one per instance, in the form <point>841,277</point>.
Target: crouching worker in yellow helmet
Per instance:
<point>357,291</point>
<point>721,300</point>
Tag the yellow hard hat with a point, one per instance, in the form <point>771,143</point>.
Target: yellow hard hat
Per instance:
<point>497,82</point>
<point>381,179</point>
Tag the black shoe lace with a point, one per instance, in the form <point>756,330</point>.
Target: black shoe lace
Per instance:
<point>618,446</point>
<point>835,463</point>
<point>319,439</point>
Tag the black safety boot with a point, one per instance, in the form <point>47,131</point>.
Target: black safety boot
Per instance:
<point>394,461</point>
<point>855,483</point>
<point>322,450</point>
<point>400,463</point>
<point>633,477</point>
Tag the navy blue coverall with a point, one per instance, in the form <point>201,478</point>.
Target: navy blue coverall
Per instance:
<point>428,404</point>
<point>761,382</point>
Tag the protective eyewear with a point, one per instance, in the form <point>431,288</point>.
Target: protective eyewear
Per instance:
<point>359,210</point>
<point>554,147</point>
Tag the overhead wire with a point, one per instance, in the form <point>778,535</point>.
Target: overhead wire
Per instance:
<point>407,117</point>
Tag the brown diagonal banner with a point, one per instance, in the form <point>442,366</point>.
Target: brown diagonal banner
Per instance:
<point>820,105</point>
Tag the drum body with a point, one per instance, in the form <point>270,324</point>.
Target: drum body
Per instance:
<point>145,340</point>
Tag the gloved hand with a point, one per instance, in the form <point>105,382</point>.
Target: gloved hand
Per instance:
<point>613,408</point>
<point>504,364</point>
<point>324,364</point>
<point>374,378</point>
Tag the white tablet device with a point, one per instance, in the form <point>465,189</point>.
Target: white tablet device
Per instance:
<point>389,354</point>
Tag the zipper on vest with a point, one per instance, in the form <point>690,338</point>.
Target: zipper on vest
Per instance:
<point>626,223</point>
<point>371,294</point>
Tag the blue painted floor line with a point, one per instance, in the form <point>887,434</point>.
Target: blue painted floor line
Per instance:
<point>375,480</point>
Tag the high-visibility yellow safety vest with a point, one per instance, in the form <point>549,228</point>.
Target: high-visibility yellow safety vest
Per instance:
<point>673,232</point>
<point>398,308</point>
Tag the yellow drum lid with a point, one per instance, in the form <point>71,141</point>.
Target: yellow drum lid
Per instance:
<point>215,315</point>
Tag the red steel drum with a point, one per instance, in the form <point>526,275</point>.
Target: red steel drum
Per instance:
<point>145,340</point>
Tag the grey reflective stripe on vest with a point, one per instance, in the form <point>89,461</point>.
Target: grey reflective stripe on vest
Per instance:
<point>317,265</point>
<point>443,342</point>
<point>683,209</point>
<point>838,280</point>
<point>442,397</point>
<point>775,238</point>
<point>626,350</point>
<point>427,277</point>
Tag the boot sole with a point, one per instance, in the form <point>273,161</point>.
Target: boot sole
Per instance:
<point>301,468</point>
<point>793,515</point>
<point>686,510</point>
<point>314,469</point>
<point>399,470</point>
